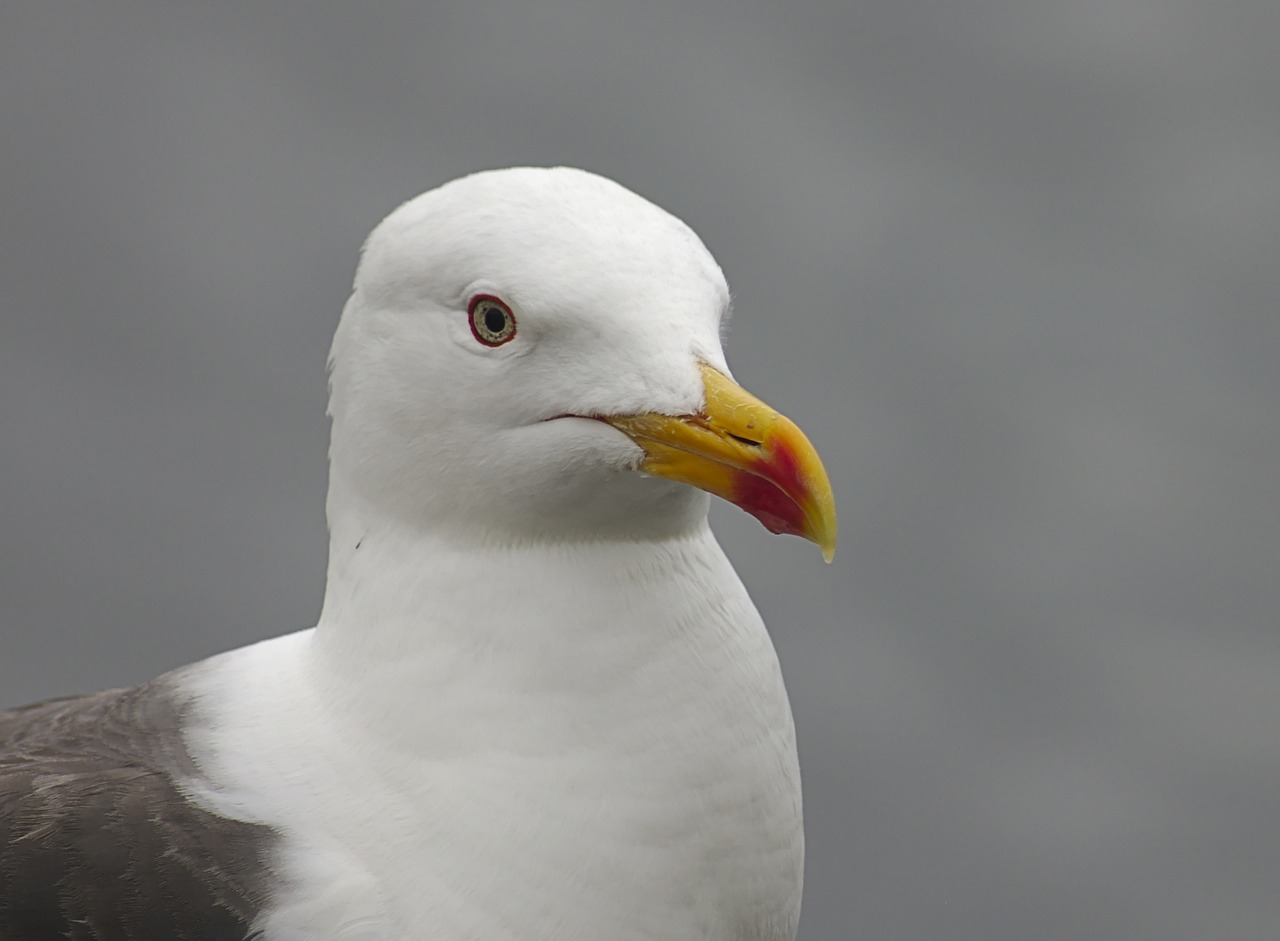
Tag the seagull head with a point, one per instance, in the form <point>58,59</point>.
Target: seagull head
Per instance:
<point>535,354</point>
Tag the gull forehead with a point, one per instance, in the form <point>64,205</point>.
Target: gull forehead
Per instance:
<point>540,233</point>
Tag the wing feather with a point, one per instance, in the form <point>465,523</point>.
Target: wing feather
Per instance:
<point>98,840</point>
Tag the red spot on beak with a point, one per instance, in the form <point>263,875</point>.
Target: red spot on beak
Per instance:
<point>770,493</point>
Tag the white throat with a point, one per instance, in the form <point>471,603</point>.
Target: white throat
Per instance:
<point>465,641</point>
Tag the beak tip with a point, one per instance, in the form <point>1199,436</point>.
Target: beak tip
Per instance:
<point>820,512</point>
<point>825,539</point>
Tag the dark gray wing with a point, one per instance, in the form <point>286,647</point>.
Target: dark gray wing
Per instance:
<point>97,840</point>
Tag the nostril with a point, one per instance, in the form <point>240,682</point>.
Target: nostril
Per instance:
<point>741,440</point>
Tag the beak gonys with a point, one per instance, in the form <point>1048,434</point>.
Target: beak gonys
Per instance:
<point>744,451</point>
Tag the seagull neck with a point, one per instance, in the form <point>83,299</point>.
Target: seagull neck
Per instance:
<point>407,610</point>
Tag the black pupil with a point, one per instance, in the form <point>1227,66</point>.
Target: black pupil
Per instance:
<point>494,320</point>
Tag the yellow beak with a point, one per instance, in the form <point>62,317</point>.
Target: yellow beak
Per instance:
<point>742,450</point>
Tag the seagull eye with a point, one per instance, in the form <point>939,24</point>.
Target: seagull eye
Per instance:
<point>492,322</point>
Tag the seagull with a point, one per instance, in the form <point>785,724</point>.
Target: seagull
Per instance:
<point>538,702</point>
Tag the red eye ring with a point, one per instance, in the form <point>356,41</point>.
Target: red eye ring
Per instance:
<point>492,322</point>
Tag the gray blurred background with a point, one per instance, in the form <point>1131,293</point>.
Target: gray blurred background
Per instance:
<point>1013,267</point>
